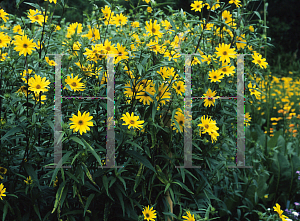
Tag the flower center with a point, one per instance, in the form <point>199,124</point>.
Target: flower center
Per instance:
<point>224,69</point>
<point>25,45</point>
<point>259,61</point>
<point>132,121</point>
<point>181,122</point>
<point>74,84</point>
<point>224,52</point>
<point>178,88</point>
<point>38,86</point>
<point>147,215</point>
<point>153,30</point>
<point>206,126</point>
<point>215,77</point>
<point>80,122</point>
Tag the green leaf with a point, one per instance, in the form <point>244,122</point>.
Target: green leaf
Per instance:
<point>183,186</point>
<point>36,209</point>
<point>33,5</point>
<point>5,208</point>
<point>105,183</point>
<point>93,152</point>
<point>72,176</point>
<point>120,196</point>
<point>18,2</point>
<point>58,195</point>
<point>88,202</point>
<point>134,144</point>
<point>11,132</point>
<point>141,159</point>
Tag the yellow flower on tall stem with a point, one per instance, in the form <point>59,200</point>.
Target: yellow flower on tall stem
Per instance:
<point>189,217</point>
<point>4,40</point>
<point>120,19</point>
<point>179,87</point>
<point>144,97</point>
<point>225,52</point>
<point>2,169</point>
<point>74,83</point>
<point>210,98</point>
<point>38,84</point>
<point>2,191</point>
<point>179,117</point>
<point>197,6</point>
<point>153,28</point>
<point>28,180</point>
<point>36,16</point>
<point>3,15</point>
<point>81,122</point>
<point>54,1</point>
<point>149,214</point>
<point>24,45</point>
<point>257,59</point>
<point>132,121</point>
<point>215,76</point>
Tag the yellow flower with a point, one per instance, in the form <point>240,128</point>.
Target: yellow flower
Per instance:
<point>149,9</point>
<point>3,15</point>
<point>51,1</point>
<point>4,40</point>
<point>74,83</point>
<point>81,122</point>
<point>251,28</point>
<point>189,217</point>
<point>2,191</point>
<point>37,84</point>
<point>2,169</point>
<point>197,6</point>
<point>36,16</point>
<point>18,29</point>
<point>149,214</point>
<point>120,19</point>
<point>257,59</point>
<point>28,180</point>
<point>24,45</point>
<point>132,121</point>
<point>153,28</point>
<point>135,24</point>
<point>225,53</point>
<point>215,76</point>
<point>50,62</point>
<point>236,2</point>
<point>210,98</point>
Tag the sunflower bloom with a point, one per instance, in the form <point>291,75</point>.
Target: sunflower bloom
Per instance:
<point>149,214</point>
<point>28,180</point>
<point>236,2</point>
<point>132,121</point>
<point>225,52</point>
<point>120,19</point>
<point>24,45</point>
<point>197,6</point>
<point>144,96</point>
<point>211,98</point>
<point>179,117</point>
<point>153,28</point>
<point>189,217</point>
<point>2,191</point>
<point>38,84</point>
<point>74,83</point>
<point>4,40</point>
<point>81,122</point>
<point>179,87</point>
<point>215,76</point>
<point>2,169</point>
<point>257,59</point>
<point>3,15</point>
